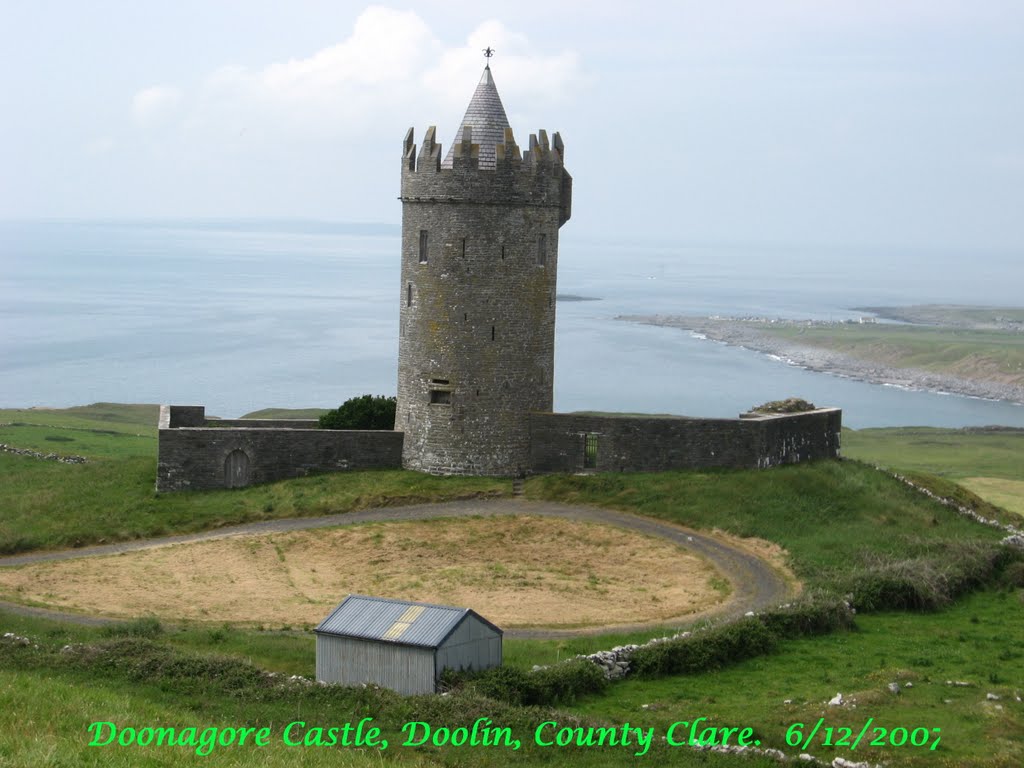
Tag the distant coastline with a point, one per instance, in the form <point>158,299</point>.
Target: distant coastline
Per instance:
<point>780,339</point>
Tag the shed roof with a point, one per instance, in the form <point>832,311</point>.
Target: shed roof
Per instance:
<point>486,116</point>
<point>396,621</point>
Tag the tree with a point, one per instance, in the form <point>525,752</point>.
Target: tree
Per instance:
<point>365,412</point>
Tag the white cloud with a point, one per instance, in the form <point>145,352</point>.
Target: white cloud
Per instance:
<point>523,74</point>
<point>390,71</point>
<point>155,103</point>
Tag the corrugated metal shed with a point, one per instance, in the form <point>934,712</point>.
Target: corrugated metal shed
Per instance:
<point>400,644</point>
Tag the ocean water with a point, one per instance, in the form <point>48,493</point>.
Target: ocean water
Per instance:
<point>245,315</point>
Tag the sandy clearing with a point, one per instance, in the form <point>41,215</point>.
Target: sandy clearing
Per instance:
<point>518,571</point>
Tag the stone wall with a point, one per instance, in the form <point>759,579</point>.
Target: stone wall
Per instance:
<point>209,454</point>
<point>648,444</point>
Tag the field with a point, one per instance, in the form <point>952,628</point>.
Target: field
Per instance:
<point>986,355</point>
<point>555,573</point>
<point>987,461</point>
<point>847,529</point>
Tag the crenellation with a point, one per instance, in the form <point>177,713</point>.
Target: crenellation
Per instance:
<point>430,153</point>
<point>409,151</point>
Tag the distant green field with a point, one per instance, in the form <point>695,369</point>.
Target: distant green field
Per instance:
<point>986,461</point>
<point>973,354</point>
<point>952,453</point>
<point>286,413</point>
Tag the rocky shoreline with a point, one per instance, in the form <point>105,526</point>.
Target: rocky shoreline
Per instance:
<point>745,333</point>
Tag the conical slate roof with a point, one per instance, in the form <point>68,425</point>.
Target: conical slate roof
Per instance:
<point>486,116</point>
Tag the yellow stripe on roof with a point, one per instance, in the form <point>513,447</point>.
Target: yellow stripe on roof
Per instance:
<point>404,621</point>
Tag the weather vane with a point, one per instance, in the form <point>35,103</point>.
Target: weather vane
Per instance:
<point>488,52</point>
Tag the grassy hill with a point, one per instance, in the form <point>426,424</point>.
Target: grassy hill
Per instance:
<point>849,530</point>
<point>985,460</point>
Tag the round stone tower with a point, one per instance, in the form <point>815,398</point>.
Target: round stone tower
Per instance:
<point>477,321</point>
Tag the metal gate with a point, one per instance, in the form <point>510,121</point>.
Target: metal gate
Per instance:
<point>590,451</point>
<point>236,469</point>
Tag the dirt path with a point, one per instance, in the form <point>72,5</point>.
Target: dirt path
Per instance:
<point>756,584</point>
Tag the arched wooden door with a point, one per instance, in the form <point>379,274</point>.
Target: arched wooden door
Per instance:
<point>236,469</point>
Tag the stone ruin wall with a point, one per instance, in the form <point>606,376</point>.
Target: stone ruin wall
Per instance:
<point>197,454</point>
<point>651,444</point>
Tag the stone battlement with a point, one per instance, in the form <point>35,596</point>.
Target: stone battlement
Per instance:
<point>536,177</point>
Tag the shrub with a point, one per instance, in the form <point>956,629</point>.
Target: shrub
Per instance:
<point>365,412</point>
<point>510,684</point>
<point>143,660</point>
<point>147,626</point>
<point>564,683</point>
<point>705,650</point>
<point>930,581</point>
<point>814,615</point>
<point>558,684</point>
<point>1014,574</point>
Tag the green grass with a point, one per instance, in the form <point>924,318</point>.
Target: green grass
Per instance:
<point>47,505</point>
<point>985,461</point>
<point>972,354</point>
<point>52,696</point>
<point>977,641</point>
<point>286,413</point>
<point>119,416</point>
<point>107,430</point>
<point>1008,494</point>
<point>834,518</point>
<point>154,681</point>
<point>952,453</point>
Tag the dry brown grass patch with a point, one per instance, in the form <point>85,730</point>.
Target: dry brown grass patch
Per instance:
<point>517,571</point>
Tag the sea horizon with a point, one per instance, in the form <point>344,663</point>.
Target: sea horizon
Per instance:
<point>243,314</point>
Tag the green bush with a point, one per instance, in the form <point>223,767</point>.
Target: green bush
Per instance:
<point>143,660</point>
<point>365,412</point>
<point>814,615</point>
<point>930,581</point>
<point>564,683</point>
<point>559,684</point>
<point>1014,574</point>
<point>147,626</point>
<point>705,650</point>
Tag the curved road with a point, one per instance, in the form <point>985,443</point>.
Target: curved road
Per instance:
<point>756,585</point>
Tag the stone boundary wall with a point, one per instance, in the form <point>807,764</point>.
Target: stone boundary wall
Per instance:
<point>656,443</point>
<point>197,454</point>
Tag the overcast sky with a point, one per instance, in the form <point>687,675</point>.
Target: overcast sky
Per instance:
<point>897,122</point>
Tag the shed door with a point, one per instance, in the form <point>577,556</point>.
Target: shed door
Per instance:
<point>236,469</point>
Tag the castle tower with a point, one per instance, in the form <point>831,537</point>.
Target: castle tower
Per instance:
<point>477,320</point>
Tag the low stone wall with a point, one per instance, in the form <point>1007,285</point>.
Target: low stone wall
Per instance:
<point>203,454</point>
<point>650,444</point>
<point>196,453</point>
